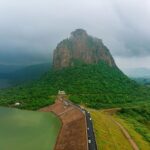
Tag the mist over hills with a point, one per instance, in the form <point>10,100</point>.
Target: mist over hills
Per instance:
<point>9,68</point>
<point>11,75</point>
<point>138,72</point>
<point>88,76</point>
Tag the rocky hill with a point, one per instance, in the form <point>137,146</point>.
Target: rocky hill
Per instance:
<point>81,48</point>
<point>89,76</point>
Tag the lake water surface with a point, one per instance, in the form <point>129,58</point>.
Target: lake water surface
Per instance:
<point>27,130</point>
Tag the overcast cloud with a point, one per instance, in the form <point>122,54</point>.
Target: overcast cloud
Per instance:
<point>30,29</point>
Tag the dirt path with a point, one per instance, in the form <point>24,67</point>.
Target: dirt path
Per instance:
<point>126,134</point>
<point>123,130</point>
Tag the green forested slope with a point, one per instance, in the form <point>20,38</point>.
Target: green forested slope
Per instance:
<point>139,117</point>
<point>96,85</point>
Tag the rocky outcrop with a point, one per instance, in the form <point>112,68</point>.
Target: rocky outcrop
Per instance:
<point>81,48</point>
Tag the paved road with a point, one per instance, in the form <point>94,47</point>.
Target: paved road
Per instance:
<point>90,131</point>
<point>91,137</point>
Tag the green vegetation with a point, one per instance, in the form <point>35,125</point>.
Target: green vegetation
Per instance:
<point>139,117</point>
<point>95,85</point>
<point>33,130</point>
<point>137,137</point>
<point>108,133</point>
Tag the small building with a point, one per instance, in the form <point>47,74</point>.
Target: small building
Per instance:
<point>17,104</point>
<point>61,92</point>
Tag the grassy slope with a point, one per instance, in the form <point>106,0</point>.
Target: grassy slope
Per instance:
<point>96,85</point>
<point>110,137</point>
<point>138,138</point>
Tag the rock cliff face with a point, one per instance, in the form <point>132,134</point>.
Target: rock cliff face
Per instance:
<point>81,48</point>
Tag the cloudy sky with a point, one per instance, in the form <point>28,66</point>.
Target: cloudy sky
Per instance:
<point>30,29</point>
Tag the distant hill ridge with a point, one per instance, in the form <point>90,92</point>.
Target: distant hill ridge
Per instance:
<point>81,48</point>
<point>11,75</point>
